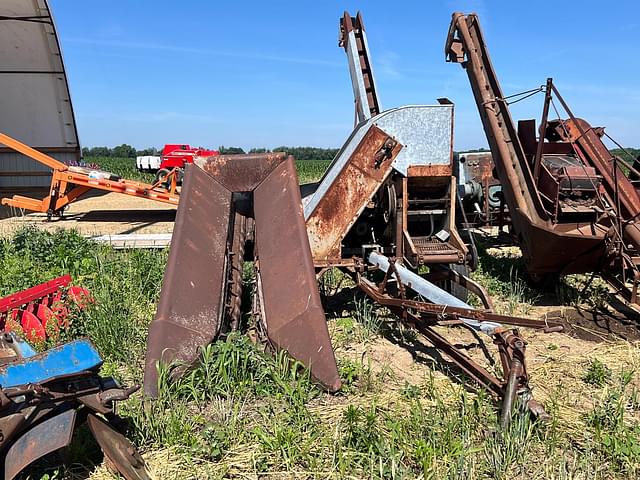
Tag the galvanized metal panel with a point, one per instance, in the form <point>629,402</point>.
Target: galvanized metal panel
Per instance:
<point>293,312</point>
<point>35,101</point>
<point>425,131</point>
<point>190,305</point>
<point>357,80</point>
<point>348,195</point>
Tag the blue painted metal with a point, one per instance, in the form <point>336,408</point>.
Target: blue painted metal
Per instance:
<point>70,358</point>
<point>22,348</point>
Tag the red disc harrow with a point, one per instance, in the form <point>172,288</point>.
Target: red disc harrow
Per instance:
<point>42,310</point>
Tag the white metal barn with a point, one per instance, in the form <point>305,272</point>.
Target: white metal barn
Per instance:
<point>35,104</point>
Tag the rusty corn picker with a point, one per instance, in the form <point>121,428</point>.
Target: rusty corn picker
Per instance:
<point>573,206</point>
<point>385,208</point>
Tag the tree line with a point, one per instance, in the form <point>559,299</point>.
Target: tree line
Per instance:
<point>300,153</point>
<point>127,151</point>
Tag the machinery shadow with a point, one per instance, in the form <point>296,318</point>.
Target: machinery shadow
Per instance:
<point>607,316</point>
<point>422,352</point>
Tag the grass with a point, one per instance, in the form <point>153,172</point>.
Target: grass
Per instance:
<point>244,414</point>
<point>308,170</point>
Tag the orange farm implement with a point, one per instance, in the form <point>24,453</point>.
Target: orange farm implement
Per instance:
<point>68,183</point>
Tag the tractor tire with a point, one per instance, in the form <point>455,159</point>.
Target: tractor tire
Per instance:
<point>161,174</point>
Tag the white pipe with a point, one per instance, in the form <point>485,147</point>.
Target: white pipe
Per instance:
<point>431,292</point>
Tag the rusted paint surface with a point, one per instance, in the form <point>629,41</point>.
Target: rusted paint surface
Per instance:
<point>9,426</point>
<point>199,295</point>
<point>47,437</point>
<point>587,138</point>
<point>118,450</point>
<point>191,298</point>
<point>547,246</point>
<point>241,173</point>
<point>429,171</point>
<point>479,167</point>
<point>294,317</point>
<point>350,192</point>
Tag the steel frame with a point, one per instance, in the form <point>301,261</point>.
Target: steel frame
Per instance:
<point>424,316</point>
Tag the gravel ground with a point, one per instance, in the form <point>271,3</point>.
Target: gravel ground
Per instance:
<point>100,214</point>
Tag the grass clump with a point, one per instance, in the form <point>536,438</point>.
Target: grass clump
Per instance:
<point>503,276</point>
<point>124,284</point>
<point>615,439</point>
<point>597,373</point>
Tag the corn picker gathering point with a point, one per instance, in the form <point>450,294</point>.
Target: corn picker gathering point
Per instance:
<point>231,203</point>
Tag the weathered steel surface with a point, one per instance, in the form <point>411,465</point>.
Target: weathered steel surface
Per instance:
<point>425,132</point>
<point>349,193</point>
<point>547,247</point>
<point>241,173</point>
<point>586,137</point>
<point>118,450</point>
<point>191,299</point>
<point>10,425</point>
<point>201,291</point>
<point>41,395</point>
<point>353,38</point>
<point>450,310</point>
<point>68,359</point>
<point>291,305</point>
<point>47,437</point>
<point>429,171</point>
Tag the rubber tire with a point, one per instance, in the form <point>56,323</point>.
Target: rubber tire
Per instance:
<point>160,174</point>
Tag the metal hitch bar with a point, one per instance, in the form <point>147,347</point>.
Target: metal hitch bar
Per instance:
<point>449,311</point>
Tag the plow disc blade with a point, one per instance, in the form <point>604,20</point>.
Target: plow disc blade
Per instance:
<point>119,453</point>
<point>191,300</point>
<point>43,308</point>
<point>30,325</point>
<point>44,438</point>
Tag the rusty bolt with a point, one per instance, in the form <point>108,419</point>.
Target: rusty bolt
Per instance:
<point>390,144</point>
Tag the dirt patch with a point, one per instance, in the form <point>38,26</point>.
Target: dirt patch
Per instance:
<point>597,326</point>
<point>101,214</point>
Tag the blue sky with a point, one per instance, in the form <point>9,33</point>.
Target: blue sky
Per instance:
<point>269,73</point>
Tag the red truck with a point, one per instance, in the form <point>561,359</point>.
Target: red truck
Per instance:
<point>173,156</point>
